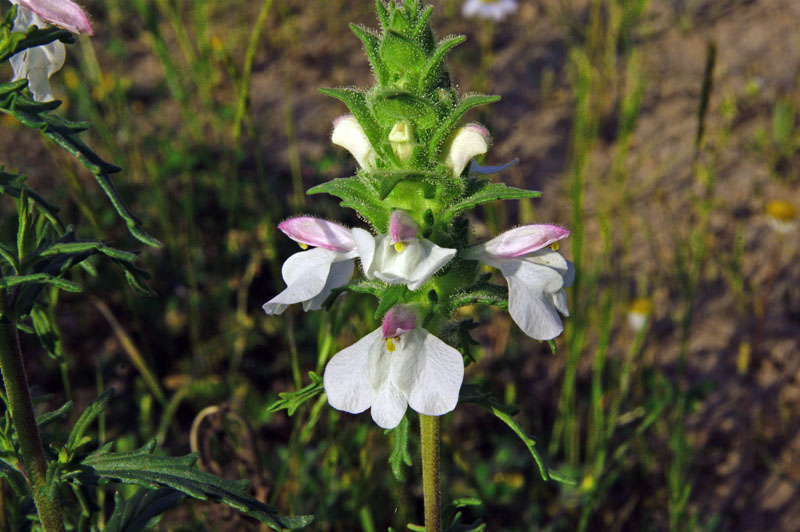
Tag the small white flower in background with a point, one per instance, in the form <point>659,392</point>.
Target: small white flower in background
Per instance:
<point>395,366</point>
<point>495,10</point>
<point>349,134</point>
<point>536,276</point>
<point>311,275</point>
<point>466,143</point>
<point>781,216</point>
<point>63,13</point>
<point>400,257</point>
<point>639,313</point>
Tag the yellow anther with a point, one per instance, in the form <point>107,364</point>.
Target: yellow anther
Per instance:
<point>554,246</point>
<point>303,246</point>
<point>390,345</point>
<point>399,247</point>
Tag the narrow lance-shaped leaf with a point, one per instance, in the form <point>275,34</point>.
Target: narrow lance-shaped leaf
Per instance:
<point>447,126</point>
<point>357,195</point>
<point>372,45</point>
<point>486,193</point>
<point>434,65</point>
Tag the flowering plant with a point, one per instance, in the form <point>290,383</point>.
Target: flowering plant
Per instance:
<point>414,188</point>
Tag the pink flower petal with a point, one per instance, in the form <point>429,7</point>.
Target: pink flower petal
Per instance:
<point>400,319</point>
<point>523,240</point>
<point>402,228</point>
<point>63,13</point>
<point>318,233</point>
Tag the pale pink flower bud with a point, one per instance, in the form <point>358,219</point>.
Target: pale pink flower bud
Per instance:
<point>467,143</point>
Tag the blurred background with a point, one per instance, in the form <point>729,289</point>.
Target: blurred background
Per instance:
<point>663,134</point>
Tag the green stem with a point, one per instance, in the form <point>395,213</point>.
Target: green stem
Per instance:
<point>431,485</point>
<point>21,406</point>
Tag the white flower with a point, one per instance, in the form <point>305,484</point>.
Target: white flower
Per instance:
<point>349,134</point>
<point>395,366</point>
<point>495,10</point>
<point>39,63</point>
<point>311,275</point>
<point>465,144</point>
<point>400,257</point>
<point>536,276</point>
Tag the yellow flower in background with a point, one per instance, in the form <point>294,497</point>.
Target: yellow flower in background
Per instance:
<point>639,312</point>
<point>781,216</point>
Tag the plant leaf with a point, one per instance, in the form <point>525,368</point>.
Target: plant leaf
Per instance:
<point>400,454</point>
<point>15,478</point>
<point>372,46</point>
<point>291,401</point>
<point>151,471</point>
<point>450,122</point>
<point>356,194</point>
<point>485,191</point>
<point>433,68</point>
<point>142,511</point>
<point>471,393</point>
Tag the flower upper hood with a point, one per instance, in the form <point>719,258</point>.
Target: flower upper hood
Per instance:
<point>536,276</point>
<point>312,275</point>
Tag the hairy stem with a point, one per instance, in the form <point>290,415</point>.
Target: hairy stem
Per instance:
<point>431,485</point>
<point>20,404</point>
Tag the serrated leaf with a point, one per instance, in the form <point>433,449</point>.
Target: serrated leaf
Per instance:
<point>357,195</point>
<point>486,192</point>
<point>471,393</point>
<point>151,471</point>
<point>142,511</point>
<point>372,45</point>
<point>356,101</point>
<point>452,120</point>
<point>400,454</point>
<point>434,66</point>
<point>291,401</point>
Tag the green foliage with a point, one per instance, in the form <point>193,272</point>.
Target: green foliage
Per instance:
<point>291,401</point>
<point>471,393</point>
<point>142,511</point>
<point>143,468</point>
<point>400,454</point>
